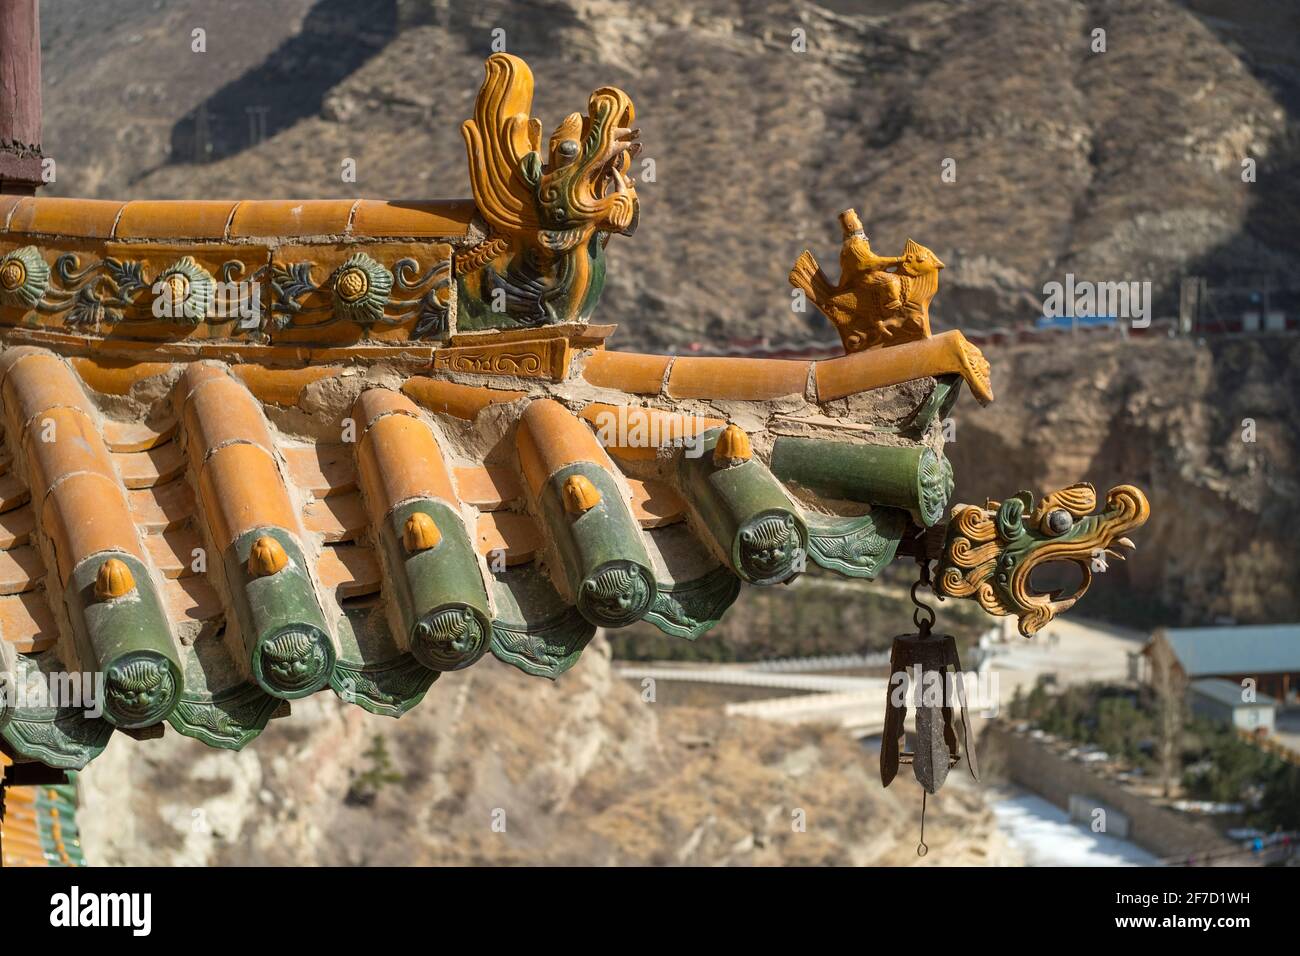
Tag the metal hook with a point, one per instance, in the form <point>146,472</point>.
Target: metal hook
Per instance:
<point>922,581</point>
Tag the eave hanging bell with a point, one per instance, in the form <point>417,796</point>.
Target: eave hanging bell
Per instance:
<point>924,668</point>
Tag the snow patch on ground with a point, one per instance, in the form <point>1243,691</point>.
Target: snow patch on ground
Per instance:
<point>1045,836</point>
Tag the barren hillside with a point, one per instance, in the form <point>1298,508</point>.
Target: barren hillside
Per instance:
<point>1117,165</point>
<point>494,767</point>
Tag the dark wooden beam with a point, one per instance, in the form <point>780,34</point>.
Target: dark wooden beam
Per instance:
<point>20,96</point>
<point>33,774</point>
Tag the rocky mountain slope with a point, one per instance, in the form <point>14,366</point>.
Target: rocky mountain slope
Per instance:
<point>1117,165</point>
<point>494,767</point>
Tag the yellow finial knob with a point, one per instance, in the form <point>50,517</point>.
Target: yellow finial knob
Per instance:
<point>420,532</point>
<point>266,557</point>
<point>733,447</point>
<point>580,495</point>
<point>113,580</point>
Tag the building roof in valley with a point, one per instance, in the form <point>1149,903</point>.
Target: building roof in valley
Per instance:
<point>1210,651</point>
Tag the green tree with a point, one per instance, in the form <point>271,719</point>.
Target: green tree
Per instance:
<point>380,772</point>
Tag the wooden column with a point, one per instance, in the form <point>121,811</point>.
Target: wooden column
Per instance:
<point>20,96</point>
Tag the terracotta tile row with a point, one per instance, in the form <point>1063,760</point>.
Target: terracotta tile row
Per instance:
<point>162,507</point>
<point>655,504</point>
<point>74,482</point>
<point>27,623</point>
<point>337,518</point>
<point>150,467</point>
<point>277,386</point>
<point>116,376</point>
<point>487,488</point>
<point>349,571</point>
<point>136,436</point>
<point>398,457</point>
<point>21,569</point>
<point>231,449</point>
<point>173,551</point>
<point>321,469</point>
<point>192,599</point>
<point>635,433</point>
<point>282,386</point>
<point>16,527</point>
<point>514,536</point>
<point>13,492</point>
<point>549,438</point>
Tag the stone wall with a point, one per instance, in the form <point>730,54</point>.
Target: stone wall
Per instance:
<point>1159,830</point>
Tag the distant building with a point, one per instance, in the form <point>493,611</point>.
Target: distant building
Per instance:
<point>1270,654</point>
<point>1221,701</point>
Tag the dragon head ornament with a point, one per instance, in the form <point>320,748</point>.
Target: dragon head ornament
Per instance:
<point>991,552</point>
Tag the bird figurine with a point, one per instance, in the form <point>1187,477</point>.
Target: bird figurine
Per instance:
<point>880,300</point>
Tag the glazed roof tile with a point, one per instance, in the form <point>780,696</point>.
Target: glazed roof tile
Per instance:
<point>237,220</point>
<point>272,542</point>
<point>1257,649</point>
<point>38,826</point>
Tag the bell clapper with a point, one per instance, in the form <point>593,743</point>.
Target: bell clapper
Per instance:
<point>921,848</point>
